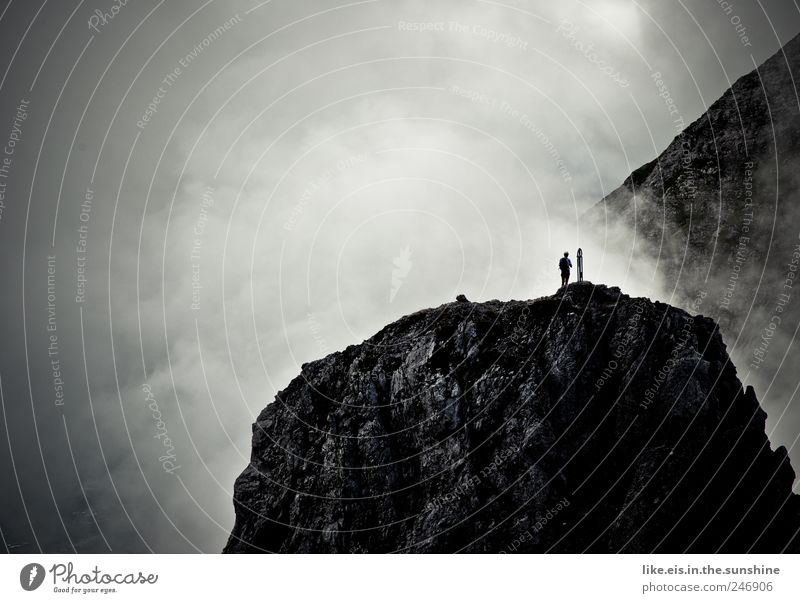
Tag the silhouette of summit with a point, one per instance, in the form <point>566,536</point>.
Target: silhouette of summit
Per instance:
<point>587,421</point>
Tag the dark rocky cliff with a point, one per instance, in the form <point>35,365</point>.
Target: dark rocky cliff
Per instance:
<point>585,421</point>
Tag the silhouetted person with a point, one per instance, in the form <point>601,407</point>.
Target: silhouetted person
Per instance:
<point>565,264</point>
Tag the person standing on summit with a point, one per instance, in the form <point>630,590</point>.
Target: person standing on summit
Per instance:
<point>565,264</point>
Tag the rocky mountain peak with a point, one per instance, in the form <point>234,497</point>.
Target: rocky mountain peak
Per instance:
<point>582,421</point>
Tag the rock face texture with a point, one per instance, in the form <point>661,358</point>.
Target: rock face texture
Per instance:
<point>586,421</point>
<point>718,210</point>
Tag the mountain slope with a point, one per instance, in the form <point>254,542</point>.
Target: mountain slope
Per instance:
<point>718,214</point>
<point>585,421</point>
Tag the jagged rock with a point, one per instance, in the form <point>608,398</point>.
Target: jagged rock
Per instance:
<point>589,421</point>
<point>461,298</point>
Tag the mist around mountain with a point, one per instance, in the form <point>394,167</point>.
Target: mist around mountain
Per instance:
<point>716,215</point>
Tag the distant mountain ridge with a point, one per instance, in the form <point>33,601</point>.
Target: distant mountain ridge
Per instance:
<point>719,211</point>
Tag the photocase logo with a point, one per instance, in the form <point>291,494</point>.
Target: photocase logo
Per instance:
<point>402,266</point>
<point>31,576</point>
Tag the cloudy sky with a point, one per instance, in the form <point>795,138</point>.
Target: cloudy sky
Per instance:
<point>200,197</point>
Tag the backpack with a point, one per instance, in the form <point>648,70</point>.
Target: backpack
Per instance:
<point>563,264</point>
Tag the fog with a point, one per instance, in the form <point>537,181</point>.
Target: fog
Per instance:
<point>260,184</point>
